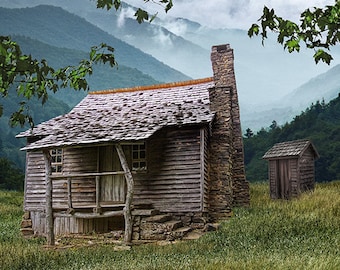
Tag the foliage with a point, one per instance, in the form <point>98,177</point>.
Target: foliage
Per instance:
<point>299,234</point>
<point>141,15</point>
<point>11,178</point>
<point>35,78</point>
<point>318,30</point>
<point>320,123</point>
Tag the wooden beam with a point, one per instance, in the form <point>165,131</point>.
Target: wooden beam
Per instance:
<point>48,196</point>
<point>91,215</point>
<point>129,195</point>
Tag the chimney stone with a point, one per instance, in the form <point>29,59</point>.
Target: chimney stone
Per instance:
<point>227,175</point>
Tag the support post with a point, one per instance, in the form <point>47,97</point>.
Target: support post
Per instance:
<point>48,197</point>
<point>98,207</point>
<point>129,195</point>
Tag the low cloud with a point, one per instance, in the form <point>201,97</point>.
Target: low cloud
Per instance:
<point>232,13</point>
<point>123,14</point>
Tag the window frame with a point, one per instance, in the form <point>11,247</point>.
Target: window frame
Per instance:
<point>57,158</point>
<point>139,157</point>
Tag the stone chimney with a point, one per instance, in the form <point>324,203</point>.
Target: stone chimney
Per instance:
<point>228,186</point>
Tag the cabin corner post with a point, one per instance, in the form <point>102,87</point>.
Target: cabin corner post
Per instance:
<point>129,195</point>
<point>48,197</point>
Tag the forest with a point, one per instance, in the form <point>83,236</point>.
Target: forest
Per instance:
<point>319,123</point>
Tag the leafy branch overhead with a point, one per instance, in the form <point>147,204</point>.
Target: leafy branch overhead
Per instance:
<point>318,30</point>
<point>35,78</point>
<point>141,15</point>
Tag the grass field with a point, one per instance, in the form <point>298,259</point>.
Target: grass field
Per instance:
<point>303,233</point>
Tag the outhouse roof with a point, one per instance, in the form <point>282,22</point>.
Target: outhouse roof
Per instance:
<point>289,149</point>
<point>127,114</point>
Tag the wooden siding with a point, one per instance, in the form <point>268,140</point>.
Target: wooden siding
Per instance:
<point>176,179</point>
<point>71,225</point>
<point>173,180</point>
<point>306,171</point>
<point>294,177</point>
<point>35,182</point>
<point>77,160</point>
<point>273,185</point>
<point>112,187</point>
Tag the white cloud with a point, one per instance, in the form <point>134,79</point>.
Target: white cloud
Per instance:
<point>123,14</point>
<point>231,13</point>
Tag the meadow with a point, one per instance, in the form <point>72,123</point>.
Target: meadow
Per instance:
<point>302,233</point>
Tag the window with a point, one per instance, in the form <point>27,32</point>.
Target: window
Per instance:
<point>138,157</point>
<point>56,160</point>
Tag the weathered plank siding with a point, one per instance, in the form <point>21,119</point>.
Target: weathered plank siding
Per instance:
<point>34,182</point>
<point>306,171</point>
<point>294,177</point>
<point>173,181</point>
<point>273,183</point>
<point>112,187</point>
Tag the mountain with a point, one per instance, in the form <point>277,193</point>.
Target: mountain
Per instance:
<point>325,86</point>
<point>103,77</point>
<point>57,27</point>
<point>264,73</point>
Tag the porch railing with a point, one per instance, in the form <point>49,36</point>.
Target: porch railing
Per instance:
<point>97,210</point>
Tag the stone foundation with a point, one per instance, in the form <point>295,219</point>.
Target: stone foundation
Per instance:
<point>167,226</point>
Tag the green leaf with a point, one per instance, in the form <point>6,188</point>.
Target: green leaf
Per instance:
<point>254,30</point>
<point>323,56</point>
<point>141,15</point>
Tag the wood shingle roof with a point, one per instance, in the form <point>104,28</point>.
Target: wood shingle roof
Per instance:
<point>126,115</point>
<point>289,149</point>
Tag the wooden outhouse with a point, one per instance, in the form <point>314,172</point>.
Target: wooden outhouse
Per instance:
<point>291,168</point>
<point>147,159</point>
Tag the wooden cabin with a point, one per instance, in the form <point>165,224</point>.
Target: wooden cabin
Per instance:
<point>155,161</point>
<point>291,168</point>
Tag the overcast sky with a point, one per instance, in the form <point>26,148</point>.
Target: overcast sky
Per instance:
<point>231,13</point>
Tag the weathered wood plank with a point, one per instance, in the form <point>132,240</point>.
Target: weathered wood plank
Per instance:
<point>49,210</point>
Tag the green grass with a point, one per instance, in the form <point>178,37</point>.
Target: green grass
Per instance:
<point>303,233</point>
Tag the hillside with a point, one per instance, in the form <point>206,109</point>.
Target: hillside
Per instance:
<point>320,123</point>
<point>325,86</point>
<point>103,77</point>
<point>59,28</point>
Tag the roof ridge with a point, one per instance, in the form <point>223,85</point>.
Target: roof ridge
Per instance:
<point>152,87</point>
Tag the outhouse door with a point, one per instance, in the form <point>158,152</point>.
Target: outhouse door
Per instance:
<point>283,179</point>
<point>112,187</point>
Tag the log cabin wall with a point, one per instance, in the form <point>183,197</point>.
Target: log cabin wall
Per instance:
<point>175,178</point>
<point>34,182</point>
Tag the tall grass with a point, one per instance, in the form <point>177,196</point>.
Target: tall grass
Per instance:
<point>303,233</point>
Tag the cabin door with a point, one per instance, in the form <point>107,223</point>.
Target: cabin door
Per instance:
<point>112,187</point>
<point>283,177</point>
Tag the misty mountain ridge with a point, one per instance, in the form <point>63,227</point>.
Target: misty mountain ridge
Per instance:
<point>324,87</point>
<point>264,74</point>
<point>57,27</point>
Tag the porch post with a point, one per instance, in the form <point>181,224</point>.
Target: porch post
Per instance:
<point>48,197</point>
<point>129,195</point>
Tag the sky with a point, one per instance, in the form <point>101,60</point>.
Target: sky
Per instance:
<point>239,14</point>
